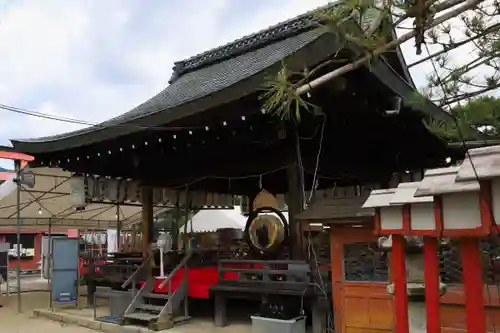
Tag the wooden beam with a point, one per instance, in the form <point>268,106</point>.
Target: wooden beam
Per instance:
<point>398,268</point>
<point>431,276</point>
<point>147,219</point>
<point>475,316</point>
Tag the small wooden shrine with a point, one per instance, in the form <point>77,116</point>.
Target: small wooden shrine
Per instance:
<point>447,216</point>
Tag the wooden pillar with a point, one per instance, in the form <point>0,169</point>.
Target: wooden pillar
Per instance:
<point>147,219</point>
<point>186,220</point>
<point>176,224</point>
<point>294,202</point>
<point>398,270</point>
<point>295,193</point>
<point>432,280</point>
<point>475,317</point>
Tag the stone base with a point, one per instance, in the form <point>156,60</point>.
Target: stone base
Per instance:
<point>417,317</point>
<point>416,290</point>
<point>72,319</point>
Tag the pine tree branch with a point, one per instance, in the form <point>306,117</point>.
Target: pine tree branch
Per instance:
<point>447,48</point>
<point>435,9</point>
<point>377,52</point>
<point>479,61</point>
<point>472,94</point>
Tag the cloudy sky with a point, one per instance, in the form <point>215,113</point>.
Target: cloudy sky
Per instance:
<point>95,59</point>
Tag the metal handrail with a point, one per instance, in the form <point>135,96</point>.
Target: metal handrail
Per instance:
<point>179,266</point>
<point>139,270</point>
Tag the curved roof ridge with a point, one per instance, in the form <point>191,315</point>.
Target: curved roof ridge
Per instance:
<point>250,42</point>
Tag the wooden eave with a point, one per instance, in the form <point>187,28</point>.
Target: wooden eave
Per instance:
<point>336,210</point>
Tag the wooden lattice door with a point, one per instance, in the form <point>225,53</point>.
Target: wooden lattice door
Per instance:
<point>360,274</point>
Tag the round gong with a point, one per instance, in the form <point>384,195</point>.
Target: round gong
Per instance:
<point>266,231</point>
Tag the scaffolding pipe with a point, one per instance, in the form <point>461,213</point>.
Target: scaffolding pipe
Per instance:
<point>17,165</point>
<point>49,264</point>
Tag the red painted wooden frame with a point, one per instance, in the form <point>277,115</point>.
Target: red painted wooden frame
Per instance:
<point>10,155</point>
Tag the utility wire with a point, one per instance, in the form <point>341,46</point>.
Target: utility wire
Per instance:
<point>467,155</point>
<point>106,124</point>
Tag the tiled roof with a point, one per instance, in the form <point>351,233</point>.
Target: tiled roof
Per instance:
<point>204,82</point>
<point>246,44</point>
<point>220,67</point>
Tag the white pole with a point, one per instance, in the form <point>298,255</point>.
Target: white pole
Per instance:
<point>8,284</point>
<point>162,273</point>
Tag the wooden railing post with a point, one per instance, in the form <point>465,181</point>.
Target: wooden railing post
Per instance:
<point>186,279</point>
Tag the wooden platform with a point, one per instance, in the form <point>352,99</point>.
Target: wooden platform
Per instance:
<point>268,281</point>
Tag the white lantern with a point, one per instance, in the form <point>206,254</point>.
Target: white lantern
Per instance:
<point>399,212</point>
<point>457,207</point>
<point>484,165</point>
<point>388,218</point>
<point>417,212</point>
<point>77,192</point>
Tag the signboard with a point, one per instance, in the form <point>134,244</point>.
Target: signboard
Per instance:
<point>27,246</point>
<point>65,264</point>
<point>26,253</point>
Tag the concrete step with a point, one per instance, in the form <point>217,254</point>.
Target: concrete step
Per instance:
<point>141,316</point>
<point>150,307</point>
<point>155,295</point>
<point>181,319</point>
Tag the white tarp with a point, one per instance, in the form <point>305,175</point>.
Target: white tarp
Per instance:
<point>211,220</point>
<point>50,199</point>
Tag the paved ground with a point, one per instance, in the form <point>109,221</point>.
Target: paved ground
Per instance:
<point>12,322</point>
<point>35,296</point>
<point>28,283</point>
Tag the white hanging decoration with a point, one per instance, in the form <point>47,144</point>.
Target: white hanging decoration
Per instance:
<point>77,191</point>
<point>95,239</point>
<point>102,239</point>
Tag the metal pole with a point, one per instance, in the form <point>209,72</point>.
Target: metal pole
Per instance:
<point>186,277</point>
<point>186,219</point>
<point>17,166</point>
<point>8,284</point>
<point>118,229</point>
<point>49,264</point>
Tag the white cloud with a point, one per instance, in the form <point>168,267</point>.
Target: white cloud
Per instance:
<point>93,60</point>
